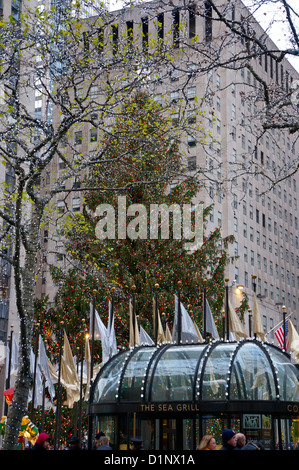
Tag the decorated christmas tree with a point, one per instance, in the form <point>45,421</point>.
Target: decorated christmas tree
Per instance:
<point>142,166</point>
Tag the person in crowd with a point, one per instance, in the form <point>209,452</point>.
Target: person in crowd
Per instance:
<point>229,440</point>
<point>241,440</point>
<point>136,444</point>
<point>104,443</point>
<point>97,439</point>
<point>42,442</point>
<point>253,445</point>
<point>74,443</point>
<point>208,442</point>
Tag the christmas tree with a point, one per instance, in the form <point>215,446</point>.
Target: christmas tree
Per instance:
<point>143,165</point>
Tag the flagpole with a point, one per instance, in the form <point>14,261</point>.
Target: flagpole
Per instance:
<point>81,392</point>
<point>112,308</point>
<point>223,324</point>
<point>226,309</point>
<point>134,313</point>
<point>58,400</point>
<point>156,313</point>
<point>205,311</point>
<point>254,290</point>
<point>92,319</point>
<point>94,292</point>
<point>278,324</point>
<point>284,326</point>
<point>179,314</point>
<point>249,321</point>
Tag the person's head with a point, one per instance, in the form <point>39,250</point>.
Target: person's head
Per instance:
<point>43,441</point>
<point>74,443</point>
<point>135,443</point>
<point>229,437</point>
<point>98,437</point>
<point>103,441</point>
<point>241,439</point>
<point>207,442</point>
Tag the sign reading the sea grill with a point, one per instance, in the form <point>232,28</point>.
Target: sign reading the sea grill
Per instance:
<point>170,407</point>
<point>291,409</point>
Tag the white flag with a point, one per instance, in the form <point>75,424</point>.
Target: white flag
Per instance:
<point>14,358</point>
<point>188,330</point>
<point>293,342</point>
<point>111,333</point>
<point>134,338</point>
<point>210,324</point>
<point>258,326</point>
<point>235,324</point>
<point>145,338</point>
<point>38,386</point>
<point>44,365</point>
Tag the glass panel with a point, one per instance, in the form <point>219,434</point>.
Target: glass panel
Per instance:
<point>107,382</point>
<point>287,375</point>
<point>143,429</point>
<point>169,434</point>
<point>212,426</point>
<point>252,376</point>
<point>106,424</point>
<point>174,374</point>
<point>134,376</point>
<point>214,375</point>
<point>188,434</point>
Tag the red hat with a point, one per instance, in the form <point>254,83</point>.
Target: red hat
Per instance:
<point>42,438</point>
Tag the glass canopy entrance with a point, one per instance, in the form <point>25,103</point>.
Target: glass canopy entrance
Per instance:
<point>171,395</point>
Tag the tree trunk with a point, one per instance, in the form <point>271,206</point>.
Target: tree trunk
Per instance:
<point>24,279</point>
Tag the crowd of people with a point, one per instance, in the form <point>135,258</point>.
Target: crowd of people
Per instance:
<point>230,441</point>
<point>101,443</point>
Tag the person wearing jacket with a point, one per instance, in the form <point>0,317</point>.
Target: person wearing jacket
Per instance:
<point>253,445</point>
<point>42,442</point>
<point>229,440</point>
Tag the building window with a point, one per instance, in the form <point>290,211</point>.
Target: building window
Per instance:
<point>176,26</point>
<point>192,22</point>
<point>208,22</point>
<point>144,34</point>
<point>76,204</point>
<point>191,93</point>
<point>191,163</point>
<point>78,138</point>
<point>114,39</point>
<point>93,135</point>
<point>160,20</point>
<point>130,34</point>
<point>191,141</point>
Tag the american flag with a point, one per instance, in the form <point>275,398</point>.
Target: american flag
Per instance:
<point>279,335</point>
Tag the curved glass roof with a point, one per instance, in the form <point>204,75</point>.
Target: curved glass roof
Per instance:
<point>247,370</point>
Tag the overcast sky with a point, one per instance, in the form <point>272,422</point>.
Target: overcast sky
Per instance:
<point>271,16</point>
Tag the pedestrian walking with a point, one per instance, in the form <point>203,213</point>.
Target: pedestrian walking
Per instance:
<point>229,440</point>
<point>208,442</point>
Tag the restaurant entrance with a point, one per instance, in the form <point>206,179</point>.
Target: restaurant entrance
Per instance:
<point>170,396</point>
